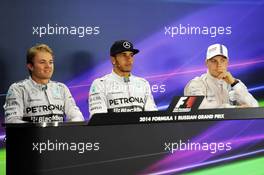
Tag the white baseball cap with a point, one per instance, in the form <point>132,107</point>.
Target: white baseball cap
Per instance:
<point>216,49</point>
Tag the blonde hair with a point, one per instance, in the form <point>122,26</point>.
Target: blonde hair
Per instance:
<point>31,53</point>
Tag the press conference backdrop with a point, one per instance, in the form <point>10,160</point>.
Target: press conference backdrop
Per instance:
<point>172,36</point>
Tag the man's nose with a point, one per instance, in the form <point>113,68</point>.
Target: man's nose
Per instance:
<point>220,64</point>
<point>129,58</point>
<point>48,65</point>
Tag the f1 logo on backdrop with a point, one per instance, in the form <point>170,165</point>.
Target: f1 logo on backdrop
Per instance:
<point>185,104</point>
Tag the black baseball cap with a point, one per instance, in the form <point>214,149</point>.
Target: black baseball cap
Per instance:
<point>122,46</point>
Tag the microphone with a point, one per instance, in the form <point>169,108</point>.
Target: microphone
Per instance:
<point>126,79</point>
<point>45,87</point>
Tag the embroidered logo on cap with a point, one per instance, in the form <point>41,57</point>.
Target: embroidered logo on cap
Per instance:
<point>126,45</point>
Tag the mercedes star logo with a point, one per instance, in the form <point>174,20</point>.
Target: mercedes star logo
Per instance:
<point>126,45</point>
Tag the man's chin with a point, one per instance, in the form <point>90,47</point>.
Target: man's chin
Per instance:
<point>126,70</point>
<point>215,75</point>
<point>47,77</point>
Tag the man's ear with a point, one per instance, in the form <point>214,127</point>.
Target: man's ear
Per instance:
<point>206,63</point>
<point>113,60</point>
<point>30,66</point>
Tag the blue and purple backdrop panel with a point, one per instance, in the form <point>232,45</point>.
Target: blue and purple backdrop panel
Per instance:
<point>172,37</point>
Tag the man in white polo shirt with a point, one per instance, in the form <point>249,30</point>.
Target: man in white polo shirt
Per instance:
<point>120,91</point>
<point>218,86</point>
<point>37,98</point>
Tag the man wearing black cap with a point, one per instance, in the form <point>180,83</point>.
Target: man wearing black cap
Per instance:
<point>120,91</point>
